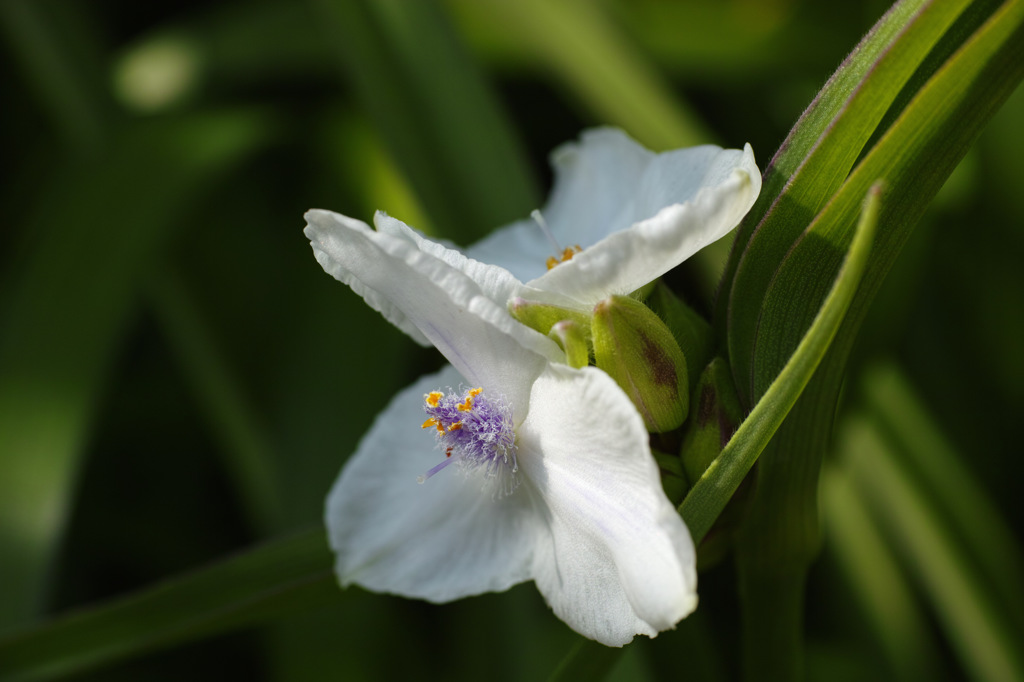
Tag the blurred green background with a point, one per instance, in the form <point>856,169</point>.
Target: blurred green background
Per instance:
<point>180,380</point>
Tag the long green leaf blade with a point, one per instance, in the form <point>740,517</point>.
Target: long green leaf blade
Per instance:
<point>281,577</point>
<point>920,448</point>
<point>715,488</point>
<point>780,535</point>
<point>880,588</point>
<point>829,158</point>
<point>246,448</point>
<point>914,158</point>
<point>65,313</point>
<point>588,54</point>
<point>813,123</point>
<point>985,642</point>
<point>434,111</point>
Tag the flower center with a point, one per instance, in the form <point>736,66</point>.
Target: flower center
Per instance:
<point>564,254</point>
<point>567,254</point>
<point>476,431</point>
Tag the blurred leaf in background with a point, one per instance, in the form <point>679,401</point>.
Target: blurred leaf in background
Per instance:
<point>178,380</point>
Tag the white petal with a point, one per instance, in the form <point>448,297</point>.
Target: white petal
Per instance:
<point>440,540</point>
<point>497,283</point>
<point>322,220</point>
<point>619,560</point>
<point>446,306</point>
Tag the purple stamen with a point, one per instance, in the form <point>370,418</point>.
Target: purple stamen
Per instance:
<point>434,470</point>
<point>476,430</point>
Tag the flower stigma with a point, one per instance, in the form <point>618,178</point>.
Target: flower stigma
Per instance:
<point>563,254</point>
<point>475,430</point>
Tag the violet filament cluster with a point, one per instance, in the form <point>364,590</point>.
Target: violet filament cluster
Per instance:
<point>475,431</point>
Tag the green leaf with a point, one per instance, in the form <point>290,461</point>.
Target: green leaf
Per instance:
<point>880,588</point>
<point>914,157</point>
<point>815,159</point>
<point>245,446</point>
<point>918,446</point>
<point>280,577</point>
<point>433,110</point>
<point>64,316</point>
<point>715,488</point>
<point>65,77</point>
<point>987,644</point>
<point>577,43</point>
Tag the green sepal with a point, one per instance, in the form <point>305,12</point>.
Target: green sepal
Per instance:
<point>544,316</point>
<point>716,416</point>
<point>692,332</point>
<point>573,340</point>
<point>636,349</point>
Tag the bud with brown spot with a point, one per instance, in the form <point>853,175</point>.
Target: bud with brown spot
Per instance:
<point>636,349</point>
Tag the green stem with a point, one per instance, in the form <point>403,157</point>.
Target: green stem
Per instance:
<point>773,644</point>
<point>779,539</point>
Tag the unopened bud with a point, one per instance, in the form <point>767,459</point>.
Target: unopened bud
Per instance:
<point>636,349</point>
<point>692,332</point>
<point>544,316</point>
<point>573,340</point>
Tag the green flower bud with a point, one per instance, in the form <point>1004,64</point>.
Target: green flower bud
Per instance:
<point>544,316</point>
<point>573,340</point>
<point>636,349</point>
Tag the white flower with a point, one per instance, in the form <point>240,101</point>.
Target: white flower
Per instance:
<point>551,474</point>
<point>635,214</point>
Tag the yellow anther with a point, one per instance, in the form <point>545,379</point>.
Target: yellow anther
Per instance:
<point>467,404</point>
<point>567,254</point>
<point>433,422</point>
<point>455,427</point>
<point>433,398</point>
